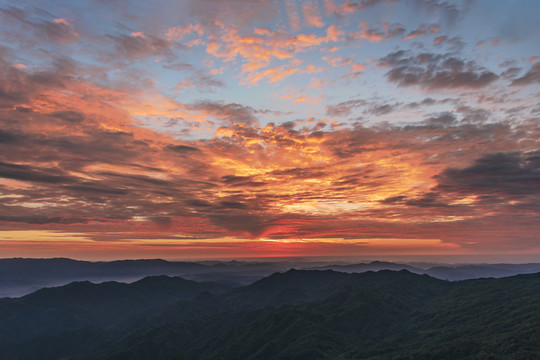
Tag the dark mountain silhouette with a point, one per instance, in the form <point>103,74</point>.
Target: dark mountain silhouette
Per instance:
<point>464,272</point>
<point>371,266</point>
<point>293,315</point>
<point>19,276</point>
<point>80,304</point>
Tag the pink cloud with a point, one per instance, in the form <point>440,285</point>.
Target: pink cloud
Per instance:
<point>312,17</point>
<point>423,29</point>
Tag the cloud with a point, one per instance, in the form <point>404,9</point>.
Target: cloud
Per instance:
<point>178,33</point>
<point>311,14</point>
<point>261,47</point>
<point>445,119</point>
<point>183,149</point>
<point>446,12</point>
<point>427,200</point>
<point>8,137</point>
<point>388,31</point>
<point>273,75</point>
<point>370,107</point>
<point>240,224</point>
<point>301,173</point>
<point>231,114</point>
<point>498,174</point>
<point>215,15</point>
<point>138,45</point>
<point>56,30</point>
<point>341,9</point>
<point>240,181</point>
<point>440,39</point>
<point>201,82</point>
<point>434,71</point>
<point>28,173</point>
<point>101,142</point>
<point>423,29</point>
<point>531,77</point>
<point>59,30</point>
<point>344,108</point>
<point>293,15</point>
<point>18,86</point>
<point>69,115</point>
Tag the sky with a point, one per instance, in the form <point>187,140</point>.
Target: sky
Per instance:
<point>233,128</point>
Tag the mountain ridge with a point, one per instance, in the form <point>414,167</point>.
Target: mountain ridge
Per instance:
<point>21,276</point>
<point>371,315</point>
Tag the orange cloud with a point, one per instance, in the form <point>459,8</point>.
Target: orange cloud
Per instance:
<point>293,15</point>
<point>263,46</point>
<point>177,33</point>
<point>312,17</point>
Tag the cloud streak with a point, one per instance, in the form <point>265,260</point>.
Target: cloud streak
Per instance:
<point>434,71</point>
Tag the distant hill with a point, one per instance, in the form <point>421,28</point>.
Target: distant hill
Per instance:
<point>444,272</point>
<point>298,314</point>
<point>20,276</point>
<point>80,304</point>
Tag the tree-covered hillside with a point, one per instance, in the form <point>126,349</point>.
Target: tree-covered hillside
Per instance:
<point>292,315</point>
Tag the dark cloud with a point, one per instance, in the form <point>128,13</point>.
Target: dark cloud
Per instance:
<point>56,30</point>
<point>511,73</point>
<point>198,203</point>
<point>442,120</point>
<point>8,137</point>
<point>41,220</point>
<point>233,180</point>
<point>232,113</point>
<point>434,71</point>
<point>473,115</point>
<point>382,109</point>
<point>344,108</point>
<point>428,200</point>
<point>135,180</point>
<point>180,67</point>
<point>388,31</point>
<point>455,44</point>
<point>425,102</point>
<point>95,188</point>
<point>69,116</point>
<point>232,205</point>
<point>18,86</point>
<point>244,224</point>
<point>201,82</point>
<point>183,149</point>
<point>394,199</point>
<point>138,45</point>
<point>500,174</point>
<point>33,174</point>
<point>369,107</point>
<point>531,77</point>
<point>301,173</point>
<point>422,30</point>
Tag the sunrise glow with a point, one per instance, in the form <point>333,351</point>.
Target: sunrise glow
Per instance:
<point>233,129</point>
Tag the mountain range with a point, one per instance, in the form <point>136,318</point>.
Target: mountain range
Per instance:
<point>297,314</point>
<point>20,276</point>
